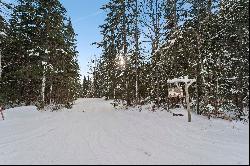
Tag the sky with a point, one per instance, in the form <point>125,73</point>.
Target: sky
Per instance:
<point>86,16</point>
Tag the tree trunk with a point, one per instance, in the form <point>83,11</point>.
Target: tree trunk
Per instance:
<point>0,64</point>
<point>43,87</point>
<point>125,50</point>
<point>158,90</point>
<point>1,110</point>
<point>51,89</point>
<point>188,103</point>
<point>175,15</point>
<point>198,71</point>
<point>137,54</point>
<point>240,95</point>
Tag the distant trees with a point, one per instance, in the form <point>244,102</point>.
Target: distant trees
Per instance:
<point>39,59</point>
<point>147,42</point>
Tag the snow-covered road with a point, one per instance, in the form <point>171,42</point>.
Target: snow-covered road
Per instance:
<point>102,135</point>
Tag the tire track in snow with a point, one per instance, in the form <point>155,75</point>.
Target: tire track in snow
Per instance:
<point>101,135</point>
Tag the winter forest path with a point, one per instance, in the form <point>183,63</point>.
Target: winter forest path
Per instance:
<point>102,135</point>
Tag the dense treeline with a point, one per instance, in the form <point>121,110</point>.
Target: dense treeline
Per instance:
<point>38,54</point>
<point>147,42</point>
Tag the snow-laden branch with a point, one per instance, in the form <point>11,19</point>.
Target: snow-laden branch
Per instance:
<point>185,80</point>
<point>3,34</point>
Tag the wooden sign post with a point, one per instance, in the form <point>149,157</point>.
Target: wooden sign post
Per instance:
<point>1,111</point>
<point>187,82</point>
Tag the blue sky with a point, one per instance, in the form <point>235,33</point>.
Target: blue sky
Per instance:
<point>86,17</point>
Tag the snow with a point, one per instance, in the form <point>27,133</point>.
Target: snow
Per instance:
<point>178,80</point>
<point>44,63</point>
<point>62,50</point>
<point>172,41</point>
<point>210,107</point>
<point>2,34</point>
<point>32,52</point>
<point>93,132</point>
<point>47,51</point>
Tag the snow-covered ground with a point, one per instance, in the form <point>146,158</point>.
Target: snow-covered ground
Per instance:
<point>102,135</point>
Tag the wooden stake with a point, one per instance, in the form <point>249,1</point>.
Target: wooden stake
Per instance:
<point>1,110</point>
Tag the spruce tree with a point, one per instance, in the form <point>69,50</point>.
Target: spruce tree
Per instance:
<point>235,48</point>
<point>41,55</point>
<point>3,37</point>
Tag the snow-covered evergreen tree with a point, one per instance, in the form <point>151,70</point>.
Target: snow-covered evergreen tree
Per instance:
<point>41,65</point>
<point>186,38</point>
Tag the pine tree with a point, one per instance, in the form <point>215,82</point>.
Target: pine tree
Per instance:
<point>18,78</point>
<point>114,46</point>
<point>85,87</point>
<point>3,29</point>
<point>41,68</point>
<point>135,57</point>
<point>71,77</point>
<point>3,37</point>
<point>235,48</point>
<point>153,21</point>
<point>121,58</point>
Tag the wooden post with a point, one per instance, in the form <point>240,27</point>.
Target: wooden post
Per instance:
<point>187,101</point>
<point>0,80</point>
<point>1,110</point>
<point>187,82</point>
<point>0,64</point>
<point>43,83</point>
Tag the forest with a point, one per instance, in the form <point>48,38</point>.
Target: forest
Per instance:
<point>38,54</point>
<point>144,44</point>
<point>147,42</point>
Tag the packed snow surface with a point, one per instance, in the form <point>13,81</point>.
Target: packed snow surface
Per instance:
<point>93,132</point>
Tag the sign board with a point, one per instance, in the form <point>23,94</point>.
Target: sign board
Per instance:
<point>175,92</point>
